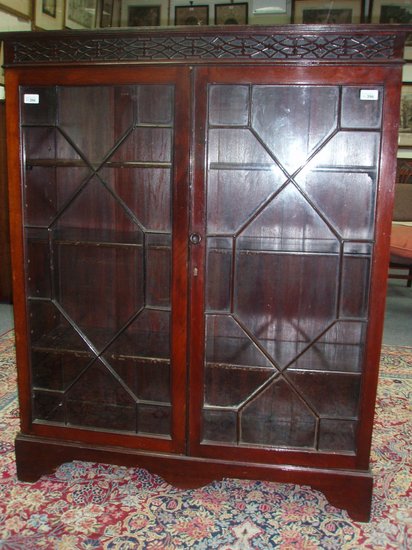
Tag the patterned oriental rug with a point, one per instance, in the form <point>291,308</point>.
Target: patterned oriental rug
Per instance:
<point>89,506</point>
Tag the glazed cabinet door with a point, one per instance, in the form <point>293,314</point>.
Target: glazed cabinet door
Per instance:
<point>281,299</point>
<point>105,224</point>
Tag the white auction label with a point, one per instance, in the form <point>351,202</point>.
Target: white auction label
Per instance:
<point>369,95</point>
<point>31,98</point>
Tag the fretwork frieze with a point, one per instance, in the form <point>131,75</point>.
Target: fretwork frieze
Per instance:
<point>158,47</point>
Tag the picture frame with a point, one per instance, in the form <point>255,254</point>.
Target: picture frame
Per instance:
<point>143,16</point>
<point>48,7</point>
<point>192,15</point>
<point>391,11</point>
<point>17,7</point>
<point>232,14</point>
<point>49,14</point>
<point>1,68</point>
<point>405,123</point>
<point>407,72</point>
<point>327,11</point>
<point>123,11</point>
<point>269,7</point>
<point>81,14</point>
<point>106,13</point>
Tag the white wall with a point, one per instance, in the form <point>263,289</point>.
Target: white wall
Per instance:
<point>10,23</point>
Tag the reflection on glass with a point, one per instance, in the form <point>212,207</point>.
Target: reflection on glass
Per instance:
<point>293,120</point>
<point>288,262</point>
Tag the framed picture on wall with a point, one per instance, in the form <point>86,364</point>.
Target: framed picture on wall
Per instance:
<point>391,11</point>
<point>141,13</point>
<point>81,14</point>
<point>49,14</point>
<point>327,11</point>
<point>192,15</point>
<point>143,16</point>
<point>1,70</point>
<point>231,14</point>
<point>48,7</point>
<point>405,124</point>
<point>106,13</point>
<point>17,7</point>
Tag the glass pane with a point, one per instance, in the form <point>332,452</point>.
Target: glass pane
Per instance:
<point>103,295</point>
<point>94,118</point>
<point>100,273</point>
<point>287,263</point>
<point>338,349</point>
<point>38,263</point>
<point>48,406</point>
<point>98,399</point>
<point>228,105</point>
<point>97,194</point>
<point>57,370</point>
<point>289,223</point>
<point>146,144</point>
<point>155,104</point>
<point>51,331</point>
<point>141,358</point>
<point>231,386</point>
<point>41,107</point>
<point>251,189</point>
<point>227,344</point>
<point>346,199</point>
<point>355,286</point>
<point>293,120</point>
<point>158,269</point>
<point>145,191</point>
<point>278,417</point>
<point>154,419</point>
<point>147,336</point>
<point>337,435</point>
<point>219,273</point>
<point>361,107</point>
<point>231,148</point>
<point>42,143</point>
<point>287,314</point>
<point>47,189</point>
<point>219,425</point>
<point>350,149</point>
<point>148,378</point>
<point>331,395</point>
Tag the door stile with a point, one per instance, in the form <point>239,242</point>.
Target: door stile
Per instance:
<point>180,224</point>
<point>197,251</point>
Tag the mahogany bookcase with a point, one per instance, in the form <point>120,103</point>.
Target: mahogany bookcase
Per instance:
<point>200,225</point>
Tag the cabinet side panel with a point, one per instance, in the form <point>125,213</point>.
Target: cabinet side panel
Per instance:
<point>14,158</point>
<point>385,198</point>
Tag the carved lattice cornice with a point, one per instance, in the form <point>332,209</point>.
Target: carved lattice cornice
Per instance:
<point>280,44</point>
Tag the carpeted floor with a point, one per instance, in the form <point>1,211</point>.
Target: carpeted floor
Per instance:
<point>90,506</point>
